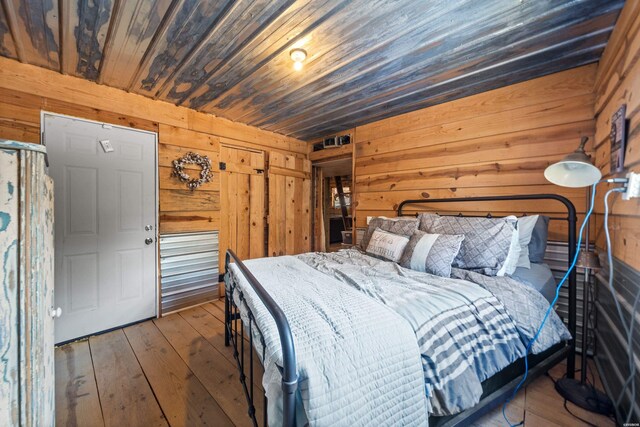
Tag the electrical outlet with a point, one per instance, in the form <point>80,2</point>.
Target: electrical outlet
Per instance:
<point>633,186</point>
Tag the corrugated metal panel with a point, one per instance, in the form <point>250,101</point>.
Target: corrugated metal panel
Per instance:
<point>556,257</point>
<point>611,345</point>
<point>188,269</point>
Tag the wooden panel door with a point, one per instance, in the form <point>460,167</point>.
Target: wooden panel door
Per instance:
<point>242,203</point>
<point>289,204</point>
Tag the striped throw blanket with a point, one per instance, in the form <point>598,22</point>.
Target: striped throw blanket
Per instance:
<point>464,332</point>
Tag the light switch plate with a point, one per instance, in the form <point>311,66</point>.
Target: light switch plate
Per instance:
<point>106,145</point>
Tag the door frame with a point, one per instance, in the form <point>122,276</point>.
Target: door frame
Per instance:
<point>156,178</point>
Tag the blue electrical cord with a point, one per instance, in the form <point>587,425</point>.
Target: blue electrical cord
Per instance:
<point>544,319</point>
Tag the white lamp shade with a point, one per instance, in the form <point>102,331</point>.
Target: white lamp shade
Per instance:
<point>572,173</point>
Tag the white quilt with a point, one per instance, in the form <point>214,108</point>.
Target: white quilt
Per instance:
<point>359,362</point>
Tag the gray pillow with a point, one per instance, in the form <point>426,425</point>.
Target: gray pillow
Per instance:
<point>486,240</point>
<point>431,253</point>
<point>538,242</point>
<point>404,226</point>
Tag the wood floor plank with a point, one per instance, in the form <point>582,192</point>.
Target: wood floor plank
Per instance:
<point>212,329</point>
<point>218,375</point>
<point>125,394</point>
<point>215,309</point>
<point>77,401</point>
<point>534,420</point>
<point>544,401</point>
<point>515,413</point>
<point>194,378</point>
<point>219,303</point>
<point>183,398</point>
<point>495,418</point>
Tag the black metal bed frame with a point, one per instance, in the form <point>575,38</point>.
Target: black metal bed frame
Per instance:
<point>235,329</point>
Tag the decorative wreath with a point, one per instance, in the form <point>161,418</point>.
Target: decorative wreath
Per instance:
<point>193,159</point>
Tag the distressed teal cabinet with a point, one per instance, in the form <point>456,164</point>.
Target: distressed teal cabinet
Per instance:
<point>26,295</point>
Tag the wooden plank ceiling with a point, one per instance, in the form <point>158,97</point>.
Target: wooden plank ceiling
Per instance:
<point>368,59</point>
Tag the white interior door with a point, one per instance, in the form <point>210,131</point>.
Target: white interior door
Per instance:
<point>105,224</point>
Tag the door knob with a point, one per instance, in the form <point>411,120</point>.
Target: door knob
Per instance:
<point>148,240</point>
<point>56,312</point>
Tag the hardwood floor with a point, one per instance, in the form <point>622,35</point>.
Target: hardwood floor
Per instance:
<point>176,371</point>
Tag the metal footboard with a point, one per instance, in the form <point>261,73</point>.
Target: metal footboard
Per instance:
<point>234,334</point>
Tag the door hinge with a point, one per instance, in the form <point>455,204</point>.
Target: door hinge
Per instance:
<point>223,166</point>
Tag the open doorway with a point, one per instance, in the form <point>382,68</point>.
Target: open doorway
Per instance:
<point>339,210</point>
<point>333,223</point>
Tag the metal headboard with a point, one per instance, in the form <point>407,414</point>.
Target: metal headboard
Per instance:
<point>571,219</point>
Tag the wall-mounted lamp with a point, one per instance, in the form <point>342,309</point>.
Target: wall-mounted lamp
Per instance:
<point>298,56</point>
<point>574,170</point>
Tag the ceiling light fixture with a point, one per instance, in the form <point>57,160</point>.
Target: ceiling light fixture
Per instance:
<point>298,56</point>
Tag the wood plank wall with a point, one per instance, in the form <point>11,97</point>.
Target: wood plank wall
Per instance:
<point>617,83</point>
<point>494,143</point>
<point>25,90</point>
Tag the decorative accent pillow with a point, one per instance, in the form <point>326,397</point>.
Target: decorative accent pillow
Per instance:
<point>387,245</point>
<point>538,243</point>
<point>525,230</point>
<point>431,253</point>
<point>401,225</point>
<point>486,240</point>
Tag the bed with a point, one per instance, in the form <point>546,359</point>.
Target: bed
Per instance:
<point>370,312</point>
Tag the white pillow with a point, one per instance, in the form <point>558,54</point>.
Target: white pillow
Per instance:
<point>387,245</point>
<point>526,224</point>
<point>511,262</point>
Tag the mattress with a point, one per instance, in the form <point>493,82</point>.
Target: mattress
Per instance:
<point>538,277</point>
